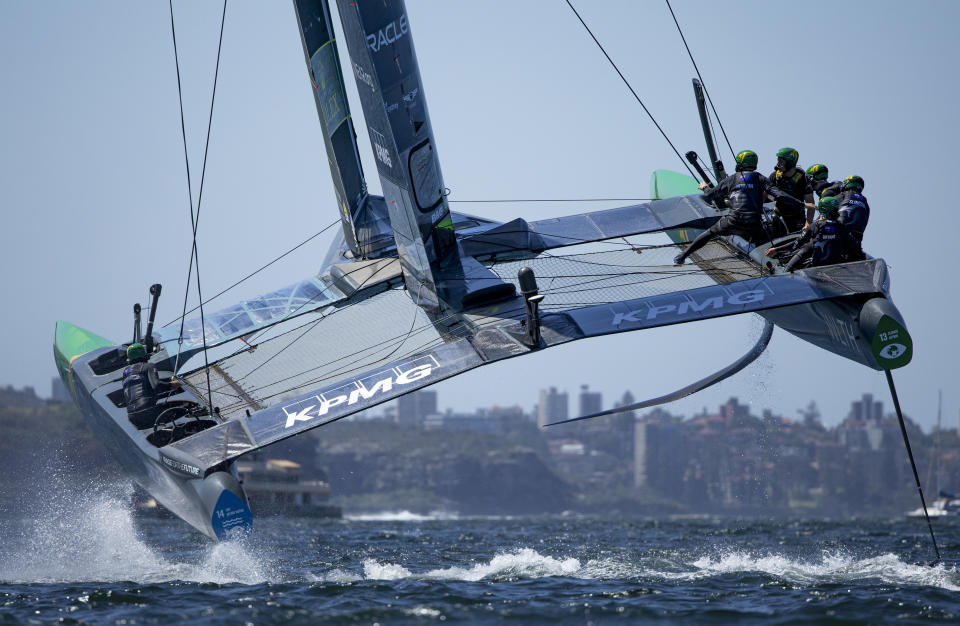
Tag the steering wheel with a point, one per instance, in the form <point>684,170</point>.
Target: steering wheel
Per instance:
<point>166,424</point>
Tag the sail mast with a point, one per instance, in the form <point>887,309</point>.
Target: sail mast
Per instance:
<point>365,224</point>
<point>394,108</point>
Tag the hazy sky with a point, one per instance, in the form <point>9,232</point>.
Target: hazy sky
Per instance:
<point>523,105</point>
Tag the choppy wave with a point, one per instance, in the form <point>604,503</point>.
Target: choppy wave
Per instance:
<point>400,516</point>
<point>527,563</point>
<point>830,568</point>
<point>90,535</point>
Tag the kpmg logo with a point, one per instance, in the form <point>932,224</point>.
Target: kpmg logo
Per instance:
<point>383,155</point>
<point>360,389</point>
<point>390,33</point>
<point>653,311</point>
<point>363,76</point>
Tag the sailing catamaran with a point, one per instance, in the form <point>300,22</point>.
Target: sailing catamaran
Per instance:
<point>412,293</point>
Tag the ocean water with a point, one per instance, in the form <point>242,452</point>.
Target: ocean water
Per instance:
<point>91,560</point>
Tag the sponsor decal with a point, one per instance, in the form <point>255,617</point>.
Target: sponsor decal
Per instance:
<point>389,34</point>
<point>180,467</point>
<point>652,311</point>
<point>892,351</point>
<point>892,345</point>
<point>383,155</point>
<point>231,516</point>
<point>363,76</point>
<point>360,389</point>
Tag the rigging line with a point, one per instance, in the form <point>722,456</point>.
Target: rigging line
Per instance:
<point>310,325</point>
<point>508,248</point>
<point>196,222</point>
<point>650,115</point>
<point>195,217</point>
<point>259,333</point>
<point>709,99</point>
<point>376,347</point>
<point>363,353</point>
<point>400,340</point>
<point>559,200</point>
<point>396,342</point>
<point>186,158</point>
<point>260,269</point>
<point>255,335</point>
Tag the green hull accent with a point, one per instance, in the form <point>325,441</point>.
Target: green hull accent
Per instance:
<point>892,345</point>
<point>669,184</point>
<point>71,341</point>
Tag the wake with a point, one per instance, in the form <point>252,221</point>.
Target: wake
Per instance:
<point>527,563</point>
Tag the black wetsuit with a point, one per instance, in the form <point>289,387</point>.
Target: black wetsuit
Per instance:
<point>826,188</point>
<point>141,390</point>
<point>743,193</point>
<point>854,214</point>
<point>795,184</point>
<point>824,242</point>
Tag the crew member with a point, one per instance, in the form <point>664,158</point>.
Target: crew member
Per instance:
<point>819,178</point>
<point>792,180</point>
<point>824,242</point>
<point>142,387</point>
<point>854,212</point>
<point>743,192</point>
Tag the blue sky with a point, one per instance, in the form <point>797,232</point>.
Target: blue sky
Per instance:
<point>523,105</point>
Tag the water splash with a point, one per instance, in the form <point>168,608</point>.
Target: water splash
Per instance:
<point>524,563</point>
<point>89,534</point>
<point>831,568</point>
<point>374,570</point>
<point>527,563</point>
<point>81,535</point>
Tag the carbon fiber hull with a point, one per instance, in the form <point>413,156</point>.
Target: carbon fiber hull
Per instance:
<point>214,504</point>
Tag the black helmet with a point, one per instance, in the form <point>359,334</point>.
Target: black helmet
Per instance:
<point>853,182</point>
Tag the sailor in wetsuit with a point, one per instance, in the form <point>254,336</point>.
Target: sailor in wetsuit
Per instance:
<point>819,178</point>
<point>792,180</point>
<point>142,387</point>
<point>744,193</point>
<point>854,213</point>
<point>824,242</point>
